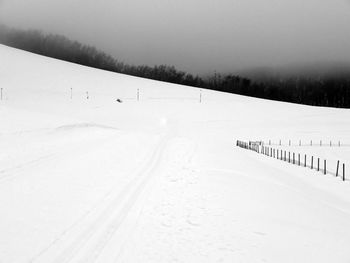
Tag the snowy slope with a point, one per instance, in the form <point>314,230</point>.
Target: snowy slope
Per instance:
<point>160,179</point>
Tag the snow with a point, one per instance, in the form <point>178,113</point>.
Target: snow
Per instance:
<point>160,179</point>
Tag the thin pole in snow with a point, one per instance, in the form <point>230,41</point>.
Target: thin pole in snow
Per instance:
<point>336,174</point>
<point>71,93</point>
<point>318,164</point>
<point>305,160</point>
<point>200,96</point>
<point>325,167</point>
<point>343,171</point>
<point>312,162</point>
<point>138,94</point>
<point>87,95</point>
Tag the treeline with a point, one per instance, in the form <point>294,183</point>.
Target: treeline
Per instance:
<point>327,91</point>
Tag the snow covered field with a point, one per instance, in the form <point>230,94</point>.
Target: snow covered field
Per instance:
<point>160,179</point>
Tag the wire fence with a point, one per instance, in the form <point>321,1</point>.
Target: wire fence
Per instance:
<point>302,160</point>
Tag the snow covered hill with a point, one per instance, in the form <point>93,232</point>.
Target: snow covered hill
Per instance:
<point>84,178</point>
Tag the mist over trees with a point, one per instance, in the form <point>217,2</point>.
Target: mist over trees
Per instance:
<point>331,91</point>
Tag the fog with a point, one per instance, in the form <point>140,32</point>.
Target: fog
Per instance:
<point>198,36</point>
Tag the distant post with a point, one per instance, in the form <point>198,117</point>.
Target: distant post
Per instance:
<point>343,171</point>
<point>312,162</point>
<point>336,174</point>
<point>87,95</point>
<point>305,160</point>
<point>138,94</point>
<point>71,93</point>
<point>325,167</point>
<point>318,164</point>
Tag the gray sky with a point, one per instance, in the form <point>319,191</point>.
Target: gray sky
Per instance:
<point>196,35</point>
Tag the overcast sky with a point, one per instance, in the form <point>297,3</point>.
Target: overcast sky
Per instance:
<point>196,35</point>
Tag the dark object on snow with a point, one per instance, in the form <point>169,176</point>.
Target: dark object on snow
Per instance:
<point>119,100</point>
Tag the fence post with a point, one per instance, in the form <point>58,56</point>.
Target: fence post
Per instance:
<point>269,142</point>
<point>293,158</point>
<point>339,143</point>
<point>318,164</point>
<point>289,142</point>
<point>305,161</point>
<point>343,171</point>
<point>280,142</point>
<point>312,162</point>
<point>320,142</point>
<point>285,156</point>
<point>278,154</point>
<point>299,159</point>
<point>336,174</point>
<point>330,143</point>
<point>311,143</point>
<point>325,166</point>
<point>299,142</point>
<point>289,157</point>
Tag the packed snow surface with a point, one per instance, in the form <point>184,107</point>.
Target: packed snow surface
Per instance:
<point>161,179</point>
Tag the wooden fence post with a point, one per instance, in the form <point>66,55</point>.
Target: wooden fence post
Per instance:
<point>289,157</point>
<point>312,162</point>
<point>343,171</point>
<point>311,143</point>
<point>280,142</point>
<point>325,166</point>
<point>293,158</point>
<point>305,161</point>
<point>318,164</point>
<point>299,159</point>
<point>336,174</point>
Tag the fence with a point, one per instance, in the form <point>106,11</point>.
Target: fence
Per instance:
<point>306,143</point>
<point>282,155</point>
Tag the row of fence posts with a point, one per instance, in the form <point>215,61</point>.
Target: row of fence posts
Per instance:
<point>290,158</point>
<point>300,143</point>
